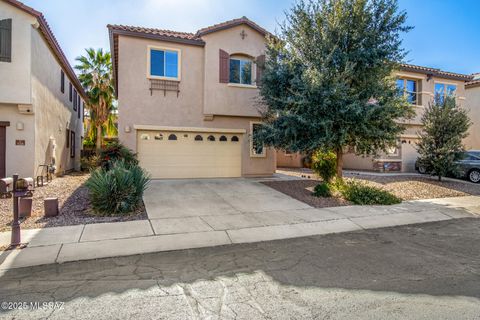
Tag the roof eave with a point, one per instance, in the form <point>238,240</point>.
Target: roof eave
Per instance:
<point>436,73</point>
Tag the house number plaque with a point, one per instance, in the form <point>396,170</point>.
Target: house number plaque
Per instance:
<point>19,142</point>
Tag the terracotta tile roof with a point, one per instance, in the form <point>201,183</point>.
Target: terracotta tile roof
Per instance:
<point>230,24</point>
<point>153,31</point>
<point>52,42</point>
<point>435,72</point>
<point>472,84</point>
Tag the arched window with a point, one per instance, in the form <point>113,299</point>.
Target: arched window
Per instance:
<point>198,138</point>
<point>211,138</point>
<point>145,136</point>
<point>172,137</point>
<point>234,139</point>
<point>223,138</point>
<point>159,136</point>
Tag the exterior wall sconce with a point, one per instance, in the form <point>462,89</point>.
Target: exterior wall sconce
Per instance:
<point>127,129</point>
<point>20,125</point>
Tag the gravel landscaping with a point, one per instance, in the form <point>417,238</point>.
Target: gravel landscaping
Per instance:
<point>406,187</point>
<point>73,201</point>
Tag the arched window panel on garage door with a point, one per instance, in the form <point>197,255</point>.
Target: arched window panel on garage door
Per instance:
<point>198,138</point>
<point>223,139</point>
<point>211,138</point>
<point>172,137</point>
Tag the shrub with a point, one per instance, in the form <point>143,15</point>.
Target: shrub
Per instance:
<point>89,163</point>
<point>324,164</point>
<point>362,194</point>
<point>322,190</point>
<point>116,151</point>
<point>117,190</point>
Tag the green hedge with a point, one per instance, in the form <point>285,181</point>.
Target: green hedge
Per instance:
<point>362,194</point>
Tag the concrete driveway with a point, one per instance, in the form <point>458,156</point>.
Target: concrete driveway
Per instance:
<point>244,210</point>
<point>216,204</point>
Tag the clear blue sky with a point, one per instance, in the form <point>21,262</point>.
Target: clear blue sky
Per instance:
<point>446,34</point>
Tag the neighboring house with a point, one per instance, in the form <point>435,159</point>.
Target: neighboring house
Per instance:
<point>419,85</point>
<point>187,102</point>
<point>472,89</point>
<point>41,99</point>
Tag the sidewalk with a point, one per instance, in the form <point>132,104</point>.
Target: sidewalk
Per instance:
<point>92,241</point>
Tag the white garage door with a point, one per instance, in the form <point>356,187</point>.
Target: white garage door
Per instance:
<point>167,154</point>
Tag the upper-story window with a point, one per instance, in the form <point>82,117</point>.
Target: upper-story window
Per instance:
<point>408,89</point>
<point>240,70</point>
<point>164,63</point>
<point>443,90</point>
<point>6,40</point>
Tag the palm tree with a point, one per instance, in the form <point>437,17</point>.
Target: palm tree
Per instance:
<point>96,77</point>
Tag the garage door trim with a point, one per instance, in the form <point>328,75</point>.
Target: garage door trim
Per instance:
<point>189,129</point>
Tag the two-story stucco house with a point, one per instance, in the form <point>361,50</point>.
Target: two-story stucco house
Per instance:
<point>419,85</point>
<point>187,102</point>
<point>41,99</point>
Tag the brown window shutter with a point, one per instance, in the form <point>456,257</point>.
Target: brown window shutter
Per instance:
<point>260,67</point>
<point>70,92</point>
<point>224,66</point>
<point>62,81</point>
<point>67,143</point>
<point>6,40</point>
<point>79,107</point>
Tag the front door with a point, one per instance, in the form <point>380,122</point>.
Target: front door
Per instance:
<point>3,147</point>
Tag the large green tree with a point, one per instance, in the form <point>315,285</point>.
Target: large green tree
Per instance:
<point>445,125</point>
<point>96,77</point>
<point>327,81</point>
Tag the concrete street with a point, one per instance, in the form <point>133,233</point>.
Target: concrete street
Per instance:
<point>424,271</point>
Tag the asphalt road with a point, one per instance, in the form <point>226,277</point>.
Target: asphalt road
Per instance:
<point>429,271</point>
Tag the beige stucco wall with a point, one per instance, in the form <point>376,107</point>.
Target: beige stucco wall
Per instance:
<point>15,84</point>
<point>53,111</point>
<point>19,159</point>
<point>136,106</point>
<point>290,160</point>
<point>473,104</point>
<point>223,98</point>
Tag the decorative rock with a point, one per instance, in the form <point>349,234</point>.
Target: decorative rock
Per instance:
<point>25,207</point>
<point>51,207</point>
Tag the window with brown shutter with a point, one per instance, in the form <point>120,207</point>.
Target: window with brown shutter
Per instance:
<point>260,67</point>
<point>78,101</point>
<point>72,144</point>
<point>83,112</point>
<point>67,143</point>
<point>79,107</point>
<point>6,40</point>
<point>224,66</point>
<point>74,100</point>
<point>70,91</point>
<point>62,81</point>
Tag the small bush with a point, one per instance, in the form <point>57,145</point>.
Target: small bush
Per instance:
<point>118,190</point>
<point>90,163</point>
<point>325,165</point>
<point>322,190</point>
<point>116,151</point>
<point>362,194</point>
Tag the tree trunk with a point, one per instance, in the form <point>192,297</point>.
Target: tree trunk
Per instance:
<point>99,139</point>
<point>339,163</point>
<point>439,178</point>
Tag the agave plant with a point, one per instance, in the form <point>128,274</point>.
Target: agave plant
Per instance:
<point>118,190</point>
